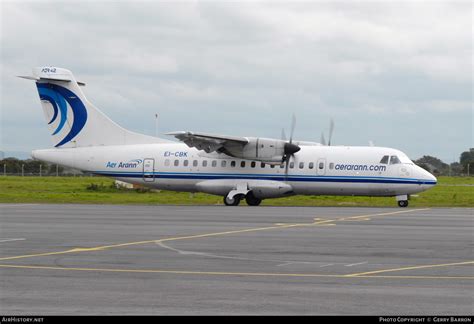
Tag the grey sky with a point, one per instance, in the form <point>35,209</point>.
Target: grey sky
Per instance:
<point>399,73</point>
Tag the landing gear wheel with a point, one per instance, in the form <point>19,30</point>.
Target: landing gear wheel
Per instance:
<point>403,203</point>
<point>252,200</point>
<point>232,201</point>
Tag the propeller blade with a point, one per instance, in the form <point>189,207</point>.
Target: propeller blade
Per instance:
<point>293,124</point>
<point>286,167</point>
<point>323,140</point>
<point>331,130</point>
<point>289,148</point>
<point>283,134</point>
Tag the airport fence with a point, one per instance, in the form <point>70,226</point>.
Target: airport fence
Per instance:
<point>31,168</point>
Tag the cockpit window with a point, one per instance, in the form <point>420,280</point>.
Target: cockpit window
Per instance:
<point>384,160</point>
<point>394,160</point>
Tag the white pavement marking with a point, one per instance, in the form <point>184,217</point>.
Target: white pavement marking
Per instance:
<point>11,239</point>
<point>355,264</point>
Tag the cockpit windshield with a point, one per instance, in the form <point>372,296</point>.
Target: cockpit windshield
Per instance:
<point>384,160</point>
<point>395,159</point>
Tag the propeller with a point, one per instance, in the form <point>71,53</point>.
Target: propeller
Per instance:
<point>289,148</point>
<point>331,131</point>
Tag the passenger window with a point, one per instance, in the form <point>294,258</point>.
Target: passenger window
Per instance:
<point>282,166</point>
<point>292,165</point>
<point>311,165</point>
<point>223,163</point>
<point>176,162</point>
<point>232,164</point>
<point>384,160</point>
<point>242,164</point>
<point>394,160</point>
<point>321,165</point>
<point>262,165</point>
<point>214,163</point>
<point>272,166</point>
<point>301,165</point>
<point>185,163</point>
<point>204,163</point>
<point>331,166</point>
<point>252,164</point>
<point>195,163</point>
<point>167,162</point>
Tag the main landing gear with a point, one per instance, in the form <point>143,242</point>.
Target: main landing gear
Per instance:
<point>249,198</point>
<point>234,201</point>
<point>252,200</point>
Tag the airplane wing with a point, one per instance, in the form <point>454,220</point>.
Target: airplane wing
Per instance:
<point>210,142</point>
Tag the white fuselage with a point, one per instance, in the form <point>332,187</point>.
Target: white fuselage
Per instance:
<point>86,139</point>
<point>314,170</point>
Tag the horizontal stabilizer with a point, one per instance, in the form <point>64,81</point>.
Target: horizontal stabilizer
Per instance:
<point>48,79</point>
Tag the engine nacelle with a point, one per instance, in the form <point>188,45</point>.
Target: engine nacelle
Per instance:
<point>260,149</point>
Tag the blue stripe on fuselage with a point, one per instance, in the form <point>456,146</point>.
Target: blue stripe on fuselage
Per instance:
<point>295,178</point>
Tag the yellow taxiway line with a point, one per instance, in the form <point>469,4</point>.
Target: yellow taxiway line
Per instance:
<point>426,266</point>
<point>225,273</point>
<point>317,222</point>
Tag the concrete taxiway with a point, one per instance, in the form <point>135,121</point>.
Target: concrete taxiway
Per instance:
<point>204,260</point>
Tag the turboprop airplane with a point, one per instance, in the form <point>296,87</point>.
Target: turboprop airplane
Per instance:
<point>234,167</point>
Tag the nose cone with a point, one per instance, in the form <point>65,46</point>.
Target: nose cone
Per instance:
<point>426,178</point>
<point>433,178</point>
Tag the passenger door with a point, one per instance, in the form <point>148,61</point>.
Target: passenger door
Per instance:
<point>149,170</point>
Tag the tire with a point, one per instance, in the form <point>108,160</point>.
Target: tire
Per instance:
<point>252,200</point>
<point>403,203</point>
<point>232,202</point>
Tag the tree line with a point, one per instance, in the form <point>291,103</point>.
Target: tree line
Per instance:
<point>14,166</point>
<point>464,167</point>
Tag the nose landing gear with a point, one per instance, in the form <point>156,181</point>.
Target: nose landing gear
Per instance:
<point>402,201</point>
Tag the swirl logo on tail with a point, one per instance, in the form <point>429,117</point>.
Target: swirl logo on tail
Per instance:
<point>59,97</point>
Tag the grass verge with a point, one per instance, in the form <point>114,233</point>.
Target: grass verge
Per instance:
<point>450,192</point>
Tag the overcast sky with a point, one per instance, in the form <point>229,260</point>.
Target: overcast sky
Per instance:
<point>398,73</point>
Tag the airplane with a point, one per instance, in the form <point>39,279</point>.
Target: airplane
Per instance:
<point>234,167</point>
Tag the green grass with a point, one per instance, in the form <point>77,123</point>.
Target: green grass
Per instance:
<point>450,192</point>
